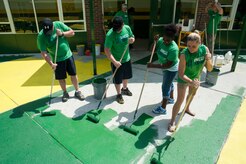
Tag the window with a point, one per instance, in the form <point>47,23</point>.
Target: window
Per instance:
<point>46,9</point>
<point>4,22</point>
<point>25,16</point>
<point>241,11</point>
<point>229,8</point>
<point>185,9</point>
<point>73,14</point>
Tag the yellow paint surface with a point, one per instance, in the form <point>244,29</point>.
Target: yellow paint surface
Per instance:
<point>29,79</point>
<point>235,148</point>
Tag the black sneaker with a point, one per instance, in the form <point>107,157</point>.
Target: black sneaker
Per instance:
<point>120,99</point>
<point>65,97</point>
<point>126,92</point>
<point>79,95</point>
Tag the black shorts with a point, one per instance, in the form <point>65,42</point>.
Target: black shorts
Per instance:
<point>123,72</point>
<point>64,67</point>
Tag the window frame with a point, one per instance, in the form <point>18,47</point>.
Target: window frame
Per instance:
<point>60,14</point>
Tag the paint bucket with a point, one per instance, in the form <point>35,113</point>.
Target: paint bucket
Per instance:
<point>99,87</point>
<point>219,60</point>
<point>98,49</point>
<point>212,77</point>
<point>80,49</point>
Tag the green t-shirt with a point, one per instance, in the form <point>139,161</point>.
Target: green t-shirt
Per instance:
<point>216,17</point>
<point>194,63</point>
<point>167,53</point>
<point>117,43</point>
<point>124,16</point>
<point>48,43</point>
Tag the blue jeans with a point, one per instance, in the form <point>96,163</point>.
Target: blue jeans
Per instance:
<point>167,83</point>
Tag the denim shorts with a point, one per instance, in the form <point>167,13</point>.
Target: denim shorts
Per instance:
<point>167,83</point>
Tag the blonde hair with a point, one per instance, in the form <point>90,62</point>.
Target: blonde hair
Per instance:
<point>194,37</point>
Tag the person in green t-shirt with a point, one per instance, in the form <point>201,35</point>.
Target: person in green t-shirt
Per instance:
<point>64,62</point>
<point>192,60</point>
<point>123,13</point>
<point>215,13</point>
<point>167,51</point>
<point>116,48</point>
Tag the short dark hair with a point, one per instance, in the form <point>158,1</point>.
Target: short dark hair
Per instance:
<point>170,30</point>
<point>117,23</point>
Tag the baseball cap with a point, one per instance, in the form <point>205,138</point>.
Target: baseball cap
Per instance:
<point>117,23</point>
<point>124,5</point>
<point>47,26</point>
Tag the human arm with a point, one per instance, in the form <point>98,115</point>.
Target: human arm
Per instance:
<point>68,33</point>
<point>208,64</point>
<point>48,59</point>
<point>219,8</point>
<point>109,55</point>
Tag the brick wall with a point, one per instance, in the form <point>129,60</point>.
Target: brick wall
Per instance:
<point>98,23</point>
<point>202,15</point>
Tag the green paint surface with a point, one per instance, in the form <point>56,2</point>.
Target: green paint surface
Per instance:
<point>59,139</point>
<point>94,143</point>
<point>23,141</point>
<point>202,141</point>
<point>10,58</point>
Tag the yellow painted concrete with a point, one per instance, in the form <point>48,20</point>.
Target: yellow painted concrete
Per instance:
<point>234,150</point>
<point>29,79</point>
<point>6,103</point>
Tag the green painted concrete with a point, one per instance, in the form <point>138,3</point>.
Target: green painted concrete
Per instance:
<point>10,58</point>
<point>64,140</point>
<point>94,143</point>
<point>23,141</point>
<point>201,142</point>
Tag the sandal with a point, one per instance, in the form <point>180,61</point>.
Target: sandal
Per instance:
<point>171,127</point>
<point>190,113</point>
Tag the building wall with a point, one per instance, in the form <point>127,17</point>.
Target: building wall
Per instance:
<point>26,43</point>
<point>98,23</point>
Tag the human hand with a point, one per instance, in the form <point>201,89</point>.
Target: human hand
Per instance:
<point>117,64</point>
<point>59,32</point>
<point>53,66</point>
<point>156,37</point>
<point>131,40</point>
<point>195,83</point>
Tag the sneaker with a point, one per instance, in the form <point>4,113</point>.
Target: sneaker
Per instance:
<point>159,110</point>
<point>126,92</point>
<point>79,95</point>
<point>65,96</point>
<point>120,99</point>
<point>170,101</point>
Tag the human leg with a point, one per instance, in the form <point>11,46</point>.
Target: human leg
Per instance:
<point>126,74</point>
<point>61,75</point>
<point>192,92</point>
<point>117,80</point>
<point>63,86</point>
<point>180,98</point>
<point>167,87</point>
<point>71,69</point>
